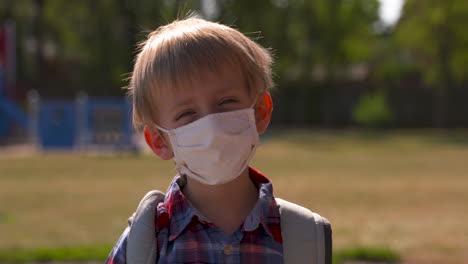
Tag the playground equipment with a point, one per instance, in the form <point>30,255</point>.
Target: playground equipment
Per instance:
<point>86,123</point>
<point>9,112</point>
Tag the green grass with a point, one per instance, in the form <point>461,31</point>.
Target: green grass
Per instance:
<point>366,254</point>
<point>98,253</point>
<point>405,191</point>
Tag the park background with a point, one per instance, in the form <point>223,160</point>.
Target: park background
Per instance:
<point>369,125</point>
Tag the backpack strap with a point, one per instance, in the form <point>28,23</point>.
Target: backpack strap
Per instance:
<point>141,240</point>
<point>307,236</point>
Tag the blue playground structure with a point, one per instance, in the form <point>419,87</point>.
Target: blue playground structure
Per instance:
<point>9,112</point>
<point>86,123</point>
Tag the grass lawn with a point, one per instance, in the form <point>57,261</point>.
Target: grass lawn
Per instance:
<point>406,191</point>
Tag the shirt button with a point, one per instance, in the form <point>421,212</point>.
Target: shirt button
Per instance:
<point>227,250</point>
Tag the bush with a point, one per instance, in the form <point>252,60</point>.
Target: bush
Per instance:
<point>374,255</point>
<point>373,111</point>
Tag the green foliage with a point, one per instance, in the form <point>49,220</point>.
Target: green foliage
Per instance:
<point>55,254</point>
<point>90,44</point>
<point>335,33</point>
<point>373,110</point>
<point>367,254</point>
<point>393,71</point>
<point>434,34</point>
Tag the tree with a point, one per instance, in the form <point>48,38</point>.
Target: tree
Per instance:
<point>433,35</point>
<point>338,34</point>
<point>69,46</point>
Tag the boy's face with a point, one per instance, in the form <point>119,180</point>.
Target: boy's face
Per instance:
<point>209,93</point>
<point>225,90</point>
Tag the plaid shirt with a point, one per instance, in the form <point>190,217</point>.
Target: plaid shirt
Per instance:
<point>186,236</point>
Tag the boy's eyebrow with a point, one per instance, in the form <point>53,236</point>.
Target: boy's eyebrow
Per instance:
<point>180,103</point>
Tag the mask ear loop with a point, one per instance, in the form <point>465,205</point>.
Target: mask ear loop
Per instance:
<point>177,167</point>
<point>255,100</point>
<point>160,128</point>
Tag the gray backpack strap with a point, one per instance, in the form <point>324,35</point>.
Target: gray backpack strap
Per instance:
<point>141,240</point>
<point>307,236</point>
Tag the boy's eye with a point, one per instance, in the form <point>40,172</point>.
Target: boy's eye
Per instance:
<point>228,101</point>
<point>184,114</point>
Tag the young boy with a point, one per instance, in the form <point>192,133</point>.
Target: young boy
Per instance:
<point>201,93</point>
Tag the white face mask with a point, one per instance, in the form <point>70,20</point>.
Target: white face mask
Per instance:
<point>216,148</point>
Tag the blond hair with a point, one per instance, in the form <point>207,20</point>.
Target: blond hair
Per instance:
<point>175,53</point>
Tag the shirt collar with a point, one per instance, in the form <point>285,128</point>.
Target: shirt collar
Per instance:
<point>178,212</point>
<point>176,208</point>
<point>266,210</point>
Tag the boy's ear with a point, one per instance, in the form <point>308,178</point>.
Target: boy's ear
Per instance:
<point>263,111</point>
<point>158,144</point>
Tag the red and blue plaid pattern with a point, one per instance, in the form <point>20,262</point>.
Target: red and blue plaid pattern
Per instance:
<point>185,236</point>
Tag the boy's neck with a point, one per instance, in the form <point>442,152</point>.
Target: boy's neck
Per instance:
<point>226,205</point>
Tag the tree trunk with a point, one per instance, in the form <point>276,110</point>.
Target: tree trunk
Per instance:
<point>446,80</point>
<point>39,35</point>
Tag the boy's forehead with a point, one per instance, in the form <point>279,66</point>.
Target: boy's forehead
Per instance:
<point>224,75</point>
<point>224,79</point>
